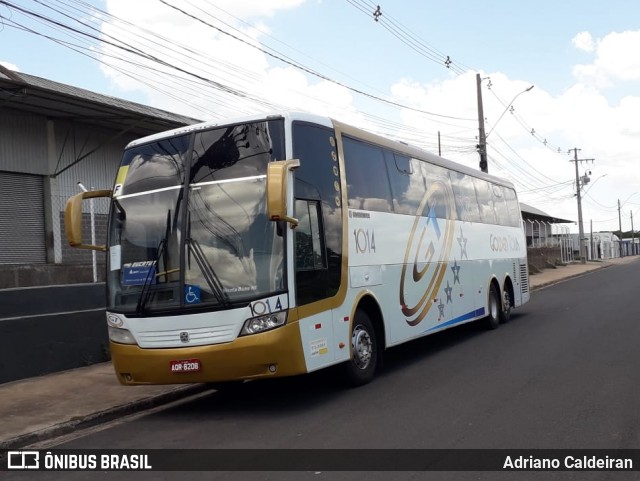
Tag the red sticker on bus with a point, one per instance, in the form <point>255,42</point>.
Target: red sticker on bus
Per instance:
<point>185,365</point>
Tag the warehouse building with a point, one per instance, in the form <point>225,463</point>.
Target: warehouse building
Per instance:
<point>54,140</point>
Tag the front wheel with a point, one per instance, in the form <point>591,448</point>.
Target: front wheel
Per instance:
<point>361,368</point>
<point>492,321</point>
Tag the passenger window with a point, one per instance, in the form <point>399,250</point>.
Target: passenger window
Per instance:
<point>500,205</point>
<point>485,201</point>
<point>406,187</point>
<point>465,195</point>
<point>441,200</point>
<point>367,181</point>
<point>403,164</point>
<point>512,207</point>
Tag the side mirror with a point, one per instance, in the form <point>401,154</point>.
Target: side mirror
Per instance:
<point>277,190</point>
<point>73,219</point>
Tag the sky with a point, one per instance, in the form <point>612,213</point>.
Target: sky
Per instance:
<point>409,73</point>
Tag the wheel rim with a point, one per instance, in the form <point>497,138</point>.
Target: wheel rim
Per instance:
<point>362,347</point>
<point>506,303</point>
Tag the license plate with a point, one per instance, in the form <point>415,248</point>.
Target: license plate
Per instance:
<point>185,365</point>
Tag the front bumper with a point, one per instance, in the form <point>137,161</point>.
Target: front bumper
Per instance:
<point>247,357</point>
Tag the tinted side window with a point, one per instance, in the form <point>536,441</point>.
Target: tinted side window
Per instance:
<point>310,252</point>
<point>367,182</point>
<point>318,179</point>
<point>438,183</point>
<point>407,187</point>
<point>500,205</point>
<point>512,207</point>
<point>485,201</point>
<point>465,195</point>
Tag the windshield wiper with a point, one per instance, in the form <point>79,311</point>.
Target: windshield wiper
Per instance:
<point>161,252</point>
<point>209,273</point>
<point>145,294</point>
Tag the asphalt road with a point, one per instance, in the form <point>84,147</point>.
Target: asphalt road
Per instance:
<point>563,373</point>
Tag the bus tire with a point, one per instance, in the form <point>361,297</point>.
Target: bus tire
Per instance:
<point>361,368</point>
<point>492,321</point>
<point>507,304</point>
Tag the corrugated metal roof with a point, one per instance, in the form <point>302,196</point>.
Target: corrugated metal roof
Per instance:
<point>56,100</point>
<point>533,212</point>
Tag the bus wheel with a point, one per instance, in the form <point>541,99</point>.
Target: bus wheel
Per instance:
<point>505,312</point>
<point>493,319</point>
<point>361,368</point>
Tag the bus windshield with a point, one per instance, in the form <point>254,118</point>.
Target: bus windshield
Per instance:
<point>188,224</point>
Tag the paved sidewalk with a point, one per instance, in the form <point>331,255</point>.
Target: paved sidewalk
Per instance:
<point>38,409</point>
<point>551,276</point>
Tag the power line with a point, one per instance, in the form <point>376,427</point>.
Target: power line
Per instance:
<point>191,81</point>
<point>308,70</point>
<point>404,34</point>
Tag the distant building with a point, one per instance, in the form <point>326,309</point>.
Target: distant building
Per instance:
<point>599,245</point>
<point>539,227</point>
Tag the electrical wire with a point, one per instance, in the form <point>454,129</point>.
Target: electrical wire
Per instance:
<point>306,69</point>
<point>191,82</point>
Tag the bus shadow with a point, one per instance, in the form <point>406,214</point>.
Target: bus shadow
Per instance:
<point>277,397</point>
<point>281,397</point>
<point>400,357</point>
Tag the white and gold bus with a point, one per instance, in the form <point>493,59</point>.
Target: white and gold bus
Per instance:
<point>283,244</point>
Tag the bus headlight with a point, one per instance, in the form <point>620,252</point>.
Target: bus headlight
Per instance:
<point>121,336</point>
<point>264,323</point>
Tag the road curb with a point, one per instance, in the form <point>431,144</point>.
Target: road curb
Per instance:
<point>107,415</point>
<point>572,276</point>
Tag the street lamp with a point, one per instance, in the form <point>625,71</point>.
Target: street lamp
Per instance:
<point>594,182</point>
<point>507,108</point>
<point>482,138</point>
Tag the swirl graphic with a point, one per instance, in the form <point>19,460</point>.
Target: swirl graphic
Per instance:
<point>431,247</point>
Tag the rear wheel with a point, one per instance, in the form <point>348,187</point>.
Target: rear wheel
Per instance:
<point>492,321</point>
<point>507,304</point>
<point>361,368</point>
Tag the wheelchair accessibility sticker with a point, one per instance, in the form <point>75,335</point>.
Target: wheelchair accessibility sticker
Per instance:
<point>191,294</point>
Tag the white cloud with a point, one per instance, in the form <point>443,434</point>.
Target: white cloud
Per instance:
<point>615,59</point>
<point>10,66</point>
<point>209,59</point>
<point>580,117</point>
<point>583,41</point>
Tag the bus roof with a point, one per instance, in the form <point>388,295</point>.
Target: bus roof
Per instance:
<point>291,116</point>
<point>328,122</point>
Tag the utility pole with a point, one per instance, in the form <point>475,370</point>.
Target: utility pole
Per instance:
<point>591,240</point>
<point>482,138</point>
<point>578,195</point>
<point>620,228</point>
<point>633,237</point>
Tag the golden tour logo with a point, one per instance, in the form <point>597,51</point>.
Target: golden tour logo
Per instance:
<point>429,247</point>
<point>504,243</point>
